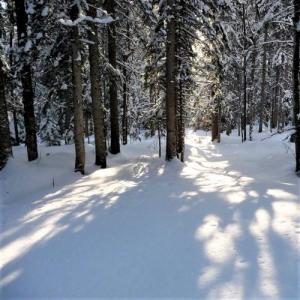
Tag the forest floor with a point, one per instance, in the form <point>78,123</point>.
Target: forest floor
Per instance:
<point>224,224</point>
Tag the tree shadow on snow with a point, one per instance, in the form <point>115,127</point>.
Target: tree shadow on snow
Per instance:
<point>205,229</point>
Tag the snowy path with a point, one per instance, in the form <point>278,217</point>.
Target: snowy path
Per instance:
<point>223,225</point>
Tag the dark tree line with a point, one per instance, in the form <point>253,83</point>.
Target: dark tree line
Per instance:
<point>118,69</point>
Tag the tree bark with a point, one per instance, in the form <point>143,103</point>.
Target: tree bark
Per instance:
<point>215,128</point>
<point>244,119</point>
<point>26,79</point>
<point>113,89</point>
<point>296,89</point>
<point>97,104</point>
<point>5,145</point>
<point>124,116</point>
<point>12,98</point>
<point>263,84</point>
<point>171,82</point>
<point>77,94</point>
<point>252,94</point>
<point>275,100</point>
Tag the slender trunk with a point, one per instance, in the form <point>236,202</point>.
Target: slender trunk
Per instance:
<point>296,70</point>
<point>216,124</point>
<point>97,103</point>
<point>263,84</point>
<point>124,116</point>
<point>159,138</point>
<point>113,92</point>
<point>77,94</point>
<point>86,123</point>
<point>153,120</point>
<point>16,129</point>
<point>244,121</point>
<point>252,95</point>
<point>125,89</point>
<point>12,98</point>
<point>180,127</point>
<point>5,145</point>
<point>171,83</point>
<point>275,100</point>
<point>26,79</point>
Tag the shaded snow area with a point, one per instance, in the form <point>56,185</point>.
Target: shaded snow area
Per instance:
<point>223,225</point>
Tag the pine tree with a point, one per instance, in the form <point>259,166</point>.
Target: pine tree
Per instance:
<point>97,105</point>
<point>26,79</point>
<point>296,74</point>
<point>171,147</point>
<point>113,89</point>
<point>77,92</point>
<point>5,144</point>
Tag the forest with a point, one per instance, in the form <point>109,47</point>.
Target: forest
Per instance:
<point>149,149</point>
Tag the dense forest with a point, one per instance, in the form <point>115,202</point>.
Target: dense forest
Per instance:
<point>122,69</point>
<point>181,120</point>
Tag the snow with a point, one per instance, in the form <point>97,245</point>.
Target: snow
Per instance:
<point>225,224</point>
<point>45,11</point>
<point>28,46</point>
<point>102,20</point>
<point>30,9</point>
<point>39,35</point>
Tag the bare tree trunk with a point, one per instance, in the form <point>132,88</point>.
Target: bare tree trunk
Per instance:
<point>97,104</point>
<point>125,89</point>
<point>252,95</point>
<point>153,120</point>
<point>26,79</point>
<point>124,116</point>
<point>171,83</point>
<point>113,89</point>
<point>12,98</point>
<point>263,84</point>
<point>296,70</point>
<point>275,100</point>
<point>77,94</point>
<point>159,137</point>
<point>5,145</point>
<point>216,124</point>
<point>244,119</point>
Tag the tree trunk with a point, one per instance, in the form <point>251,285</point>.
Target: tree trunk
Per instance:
<point>113,92</point>
<point>171,82</point>
<point>5,145</point>
<point>124,116</point>
<point>180,125</point>
<point>275,100</point>
<point>26,79</point>
<point>244,120</point>
<point>252,94</point>
<point>97,104</point>
<point>296,80</point>
<point>77,94</point>
<point>263,84</point>
<point>12,98</point>
<point>215,128</point>
<point>125,87</point>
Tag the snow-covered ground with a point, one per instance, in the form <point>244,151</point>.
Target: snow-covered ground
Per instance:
<point>225,224</point>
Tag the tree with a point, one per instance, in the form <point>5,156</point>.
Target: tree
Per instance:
<point>26,79</point>
<point>263,81</point>
<point>5,145</point>
<point>77,92</point>
<point>171,147</point>
<point>97,105</point>
<point>296,74</point>
<point>113,89</point>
